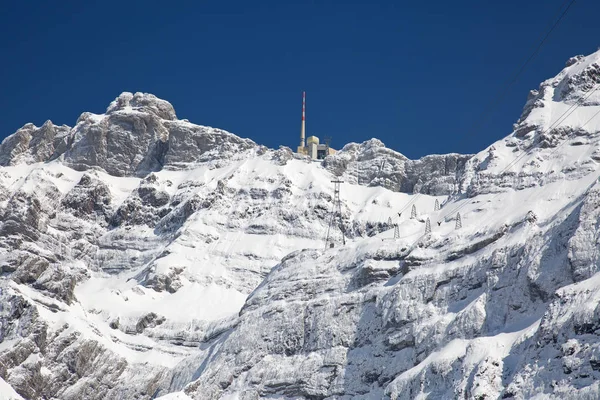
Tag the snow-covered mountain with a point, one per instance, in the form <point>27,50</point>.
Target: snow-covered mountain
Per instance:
<point>143,256</point>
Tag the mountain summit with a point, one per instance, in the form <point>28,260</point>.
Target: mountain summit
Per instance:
<point>138,134</point>
<point>143,256</point>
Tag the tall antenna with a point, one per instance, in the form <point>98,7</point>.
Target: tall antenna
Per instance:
<point>335,218</point>
<point>302,127</point>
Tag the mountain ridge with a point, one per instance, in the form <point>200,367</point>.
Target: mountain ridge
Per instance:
<point>166,142</point>
<point>144,256</point>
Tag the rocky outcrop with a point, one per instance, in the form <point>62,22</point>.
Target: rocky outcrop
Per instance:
<point>128,140</point>
<point>189,143</point>
<point>62,363</point>
<point>145,206</point>
<point>144,103</point>
<point>372,164</point>
<point>138,134</point>
<point>89,199</point>
<point>31,144</point>
<point>583,246</point>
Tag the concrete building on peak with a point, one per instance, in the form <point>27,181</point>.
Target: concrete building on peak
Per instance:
<point>311,146</point>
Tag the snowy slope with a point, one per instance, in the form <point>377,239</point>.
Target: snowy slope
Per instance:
<point>469,313</point>
<point>145,256</point>
<point>444,316</point>
<point>7,392</point>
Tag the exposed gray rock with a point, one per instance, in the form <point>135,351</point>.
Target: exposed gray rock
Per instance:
<point>149,320</point>
<point>189,143</point>
<point>145,206</point>
<point>45,363</point>
<point>89,199</point>
<point>31,144</point>
<point>123,142</point>
<point>372,164</point>
<point>144,103</point>
<point>171,282</point>
<point>583,246</point>
<point>139,133</point>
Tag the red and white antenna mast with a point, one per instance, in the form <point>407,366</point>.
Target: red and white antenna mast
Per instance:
<point>302,128</point>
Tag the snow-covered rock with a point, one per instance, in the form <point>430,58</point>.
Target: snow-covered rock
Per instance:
<point>143,256</point>
<point>371,163</point>
<point>31,144</point>
<point>558,121</point>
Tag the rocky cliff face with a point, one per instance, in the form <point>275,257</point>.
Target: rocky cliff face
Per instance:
<point>142,256</point>
<point>31,144</point>
<point>138,134</point>
<point>371,163</point>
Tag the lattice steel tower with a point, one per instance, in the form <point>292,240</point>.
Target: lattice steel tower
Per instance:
<point>335,218</point>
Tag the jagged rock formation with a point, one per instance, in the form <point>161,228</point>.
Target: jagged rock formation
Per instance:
<point>138,134</point>
<point>142,256</point>
<point>31,144</point>
<point>371,163</point>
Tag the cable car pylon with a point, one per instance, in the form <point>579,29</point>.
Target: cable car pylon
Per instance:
<point>335,218</point>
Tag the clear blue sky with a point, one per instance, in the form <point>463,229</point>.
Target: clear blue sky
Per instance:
<point>413,74</point>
